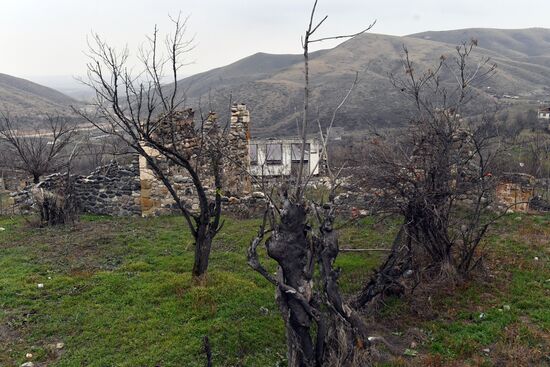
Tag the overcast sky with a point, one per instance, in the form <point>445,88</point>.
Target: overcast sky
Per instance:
<point>48,37</point>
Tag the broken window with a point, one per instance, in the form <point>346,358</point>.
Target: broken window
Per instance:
<point>274,153</point>
<point>296,152</point>
<point>253,153</point>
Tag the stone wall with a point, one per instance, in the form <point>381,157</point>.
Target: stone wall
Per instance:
<point>236,178</point>
<point>197,145</point>
<point>112,189</point>
<point>516,191</point>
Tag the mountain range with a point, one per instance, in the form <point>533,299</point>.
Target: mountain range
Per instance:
<point>272,85</point>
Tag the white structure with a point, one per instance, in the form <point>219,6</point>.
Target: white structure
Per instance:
<point>544,113</point>
<point>281,157</point>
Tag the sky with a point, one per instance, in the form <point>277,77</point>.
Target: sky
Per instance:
<point>49,37</point>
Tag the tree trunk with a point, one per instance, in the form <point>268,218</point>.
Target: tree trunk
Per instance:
<point>203,245</point>
<point>290,248</point>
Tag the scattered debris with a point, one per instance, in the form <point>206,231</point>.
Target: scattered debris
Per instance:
<point>40,285</point>
<point>27,364</point>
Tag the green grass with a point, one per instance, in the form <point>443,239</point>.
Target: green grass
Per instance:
<point>118,292</point>
<point>516,299</point>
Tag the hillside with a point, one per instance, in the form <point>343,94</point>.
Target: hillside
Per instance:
<point>271,85</point>
<point>27,99</point>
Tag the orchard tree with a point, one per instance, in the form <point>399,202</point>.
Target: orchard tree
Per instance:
<point>143,106</point>
<point>299,234</point>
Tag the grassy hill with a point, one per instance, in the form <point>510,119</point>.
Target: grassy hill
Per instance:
<point>27,99</point>
<point>118,292</point>
<point>271,85</point>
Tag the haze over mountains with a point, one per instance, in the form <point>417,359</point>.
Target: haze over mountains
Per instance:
<point>272,87</point>
<point>29,100</point>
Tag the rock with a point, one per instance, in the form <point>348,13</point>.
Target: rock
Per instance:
<point>179,179</point>
<point>59,345</point>
<point>27,364</point>
<point>486,350</point>
<point>40,285</point>
<point>234,200</point>
<point>258,195</point>
<point>506,307</point>
<point>28,355</point>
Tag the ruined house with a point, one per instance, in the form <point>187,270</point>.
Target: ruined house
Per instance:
<point>136,190</point>
<point>196,143</point>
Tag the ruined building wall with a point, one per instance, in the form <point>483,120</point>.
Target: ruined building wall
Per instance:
<point>198,144</point>
<point>112,189</point>
<point>236,178</point>
<point>516,190</point>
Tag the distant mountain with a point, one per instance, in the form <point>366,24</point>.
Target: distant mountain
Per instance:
<point>29,100</point>
<point>272,87</point>
<point>513,43</point>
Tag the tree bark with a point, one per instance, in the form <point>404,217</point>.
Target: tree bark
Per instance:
<point>203,245</point>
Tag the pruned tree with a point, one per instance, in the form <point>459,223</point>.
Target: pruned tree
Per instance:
<point>150,115</point>
<point>299,234</point>
<point>40,151</point>
<point>438,176</point>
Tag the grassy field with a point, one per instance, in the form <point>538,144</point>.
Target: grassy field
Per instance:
<point>118,292</point>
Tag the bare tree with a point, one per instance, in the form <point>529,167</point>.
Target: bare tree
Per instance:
<point>438,176</point>
<point>58,205</point>
<point>41,151</point>
<point>152,119</point>
<point>321,328</point>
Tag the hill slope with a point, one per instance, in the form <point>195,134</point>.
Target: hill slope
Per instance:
<point>27,99</point>
<point>271,85</point>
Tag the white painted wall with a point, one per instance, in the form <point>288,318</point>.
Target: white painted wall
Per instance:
<point>284,168</point>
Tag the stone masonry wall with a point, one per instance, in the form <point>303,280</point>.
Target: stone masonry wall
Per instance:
<point>155,197</point>
<point>109,190</point>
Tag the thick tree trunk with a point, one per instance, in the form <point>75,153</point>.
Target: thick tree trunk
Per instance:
<point>290,248</point>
